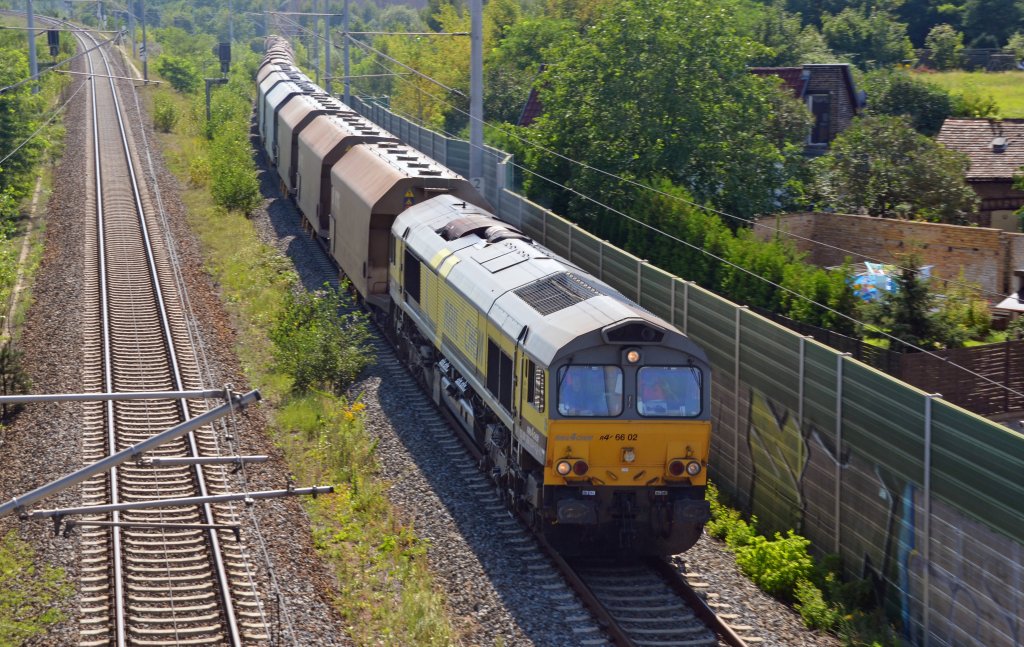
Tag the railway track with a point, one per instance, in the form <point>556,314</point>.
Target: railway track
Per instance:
<point>165,575</point>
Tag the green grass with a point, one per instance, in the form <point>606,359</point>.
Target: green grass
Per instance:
<point>385,591</point>
<point>1007,88</point>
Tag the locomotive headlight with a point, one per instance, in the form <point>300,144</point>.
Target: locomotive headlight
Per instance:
<point>693,468</point>
<point>628,455</point>
<point>676,468</point>
<point>580,468</point>
<point>633,356</point>
<point>563,468</point>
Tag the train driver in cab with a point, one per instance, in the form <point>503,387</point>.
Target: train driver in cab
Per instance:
<point>668,391</point>
<point>590,391</point>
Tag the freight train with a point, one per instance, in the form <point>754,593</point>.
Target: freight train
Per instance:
<point>592,413</point>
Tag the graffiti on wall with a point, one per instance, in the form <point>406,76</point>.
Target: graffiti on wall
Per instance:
<point>976,577</point>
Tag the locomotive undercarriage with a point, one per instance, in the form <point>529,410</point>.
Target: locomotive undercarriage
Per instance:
<point>576,519</point>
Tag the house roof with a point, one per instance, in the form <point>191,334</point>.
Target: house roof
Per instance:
<point>978,139</point>
<point>792,77</point>
<point>797,79</point>
<point>533,107</point>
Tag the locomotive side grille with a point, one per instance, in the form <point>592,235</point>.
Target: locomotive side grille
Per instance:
<point>557,292</point>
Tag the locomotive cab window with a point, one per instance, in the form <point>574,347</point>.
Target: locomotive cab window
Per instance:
<point>590,391</point>
<point>669,391</point>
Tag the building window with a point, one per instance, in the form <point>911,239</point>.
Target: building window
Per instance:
<point>820,106</point>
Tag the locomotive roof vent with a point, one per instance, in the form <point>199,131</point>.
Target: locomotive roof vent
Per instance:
<point>490,229</point>
<point>556,292</point>
<point>633,332</point>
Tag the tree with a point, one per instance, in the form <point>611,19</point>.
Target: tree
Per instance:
<point>989,23</point>
<point>905,313</point>
<point>513,63</point>
<point>896,92</point>
<point>19,109</point>
<point>946,45</point>
<point>659,89</point>
<point>871,36</point>
<point>179,72</point>
<point>920,16</point>
<point>787,41</point>
<point>881,167</point>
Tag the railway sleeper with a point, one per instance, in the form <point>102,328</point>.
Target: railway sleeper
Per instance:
<point>180,617</point>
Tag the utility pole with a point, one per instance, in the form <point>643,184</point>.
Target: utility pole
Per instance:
<point>327,48</point>
<point>131,30</point>
<point>316,43</point>
<point>33,64</point>
<point>476,96</point>
<point>345,53</point>
<point>231,21</point>
<point>145,50</point>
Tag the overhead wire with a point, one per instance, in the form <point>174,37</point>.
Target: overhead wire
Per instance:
<point>35,77</point>
<point>725,261</point>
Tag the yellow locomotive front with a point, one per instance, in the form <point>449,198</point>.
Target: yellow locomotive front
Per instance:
<point>628,438</point>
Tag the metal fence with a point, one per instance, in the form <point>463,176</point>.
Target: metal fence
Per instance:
<point>922,497</point>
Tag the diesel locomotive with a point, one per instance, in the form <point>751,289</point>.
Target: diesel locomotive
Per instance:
<point>592,413</point>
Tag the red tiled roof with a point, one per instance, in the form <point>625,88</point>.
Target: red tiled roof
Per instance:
<point>531,110</point>
<point>973,137</point>
<point>792,77</point>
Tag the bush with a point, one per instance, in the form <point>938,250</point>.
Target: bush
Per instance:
<point>165,114</point>
<point>811,604</point>
<point>319,345</point>
<point>971,105</point>
<point>233,181</point>
<point>199,171</point>
<point>776,565</point>
<point>179,72</point>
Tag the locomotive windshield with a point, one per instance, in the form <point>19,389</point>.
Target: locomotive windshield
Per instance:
<point>594,391</point>
<point>669,391</point>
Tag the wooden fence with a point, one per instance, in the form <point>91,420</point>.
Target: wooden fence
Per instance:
<point>998,365</point>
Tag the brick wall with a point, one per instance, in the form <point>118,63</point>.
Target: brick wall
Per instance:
<point>981,252</point>
<point>831,81</point>
<point>1016,245</point>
